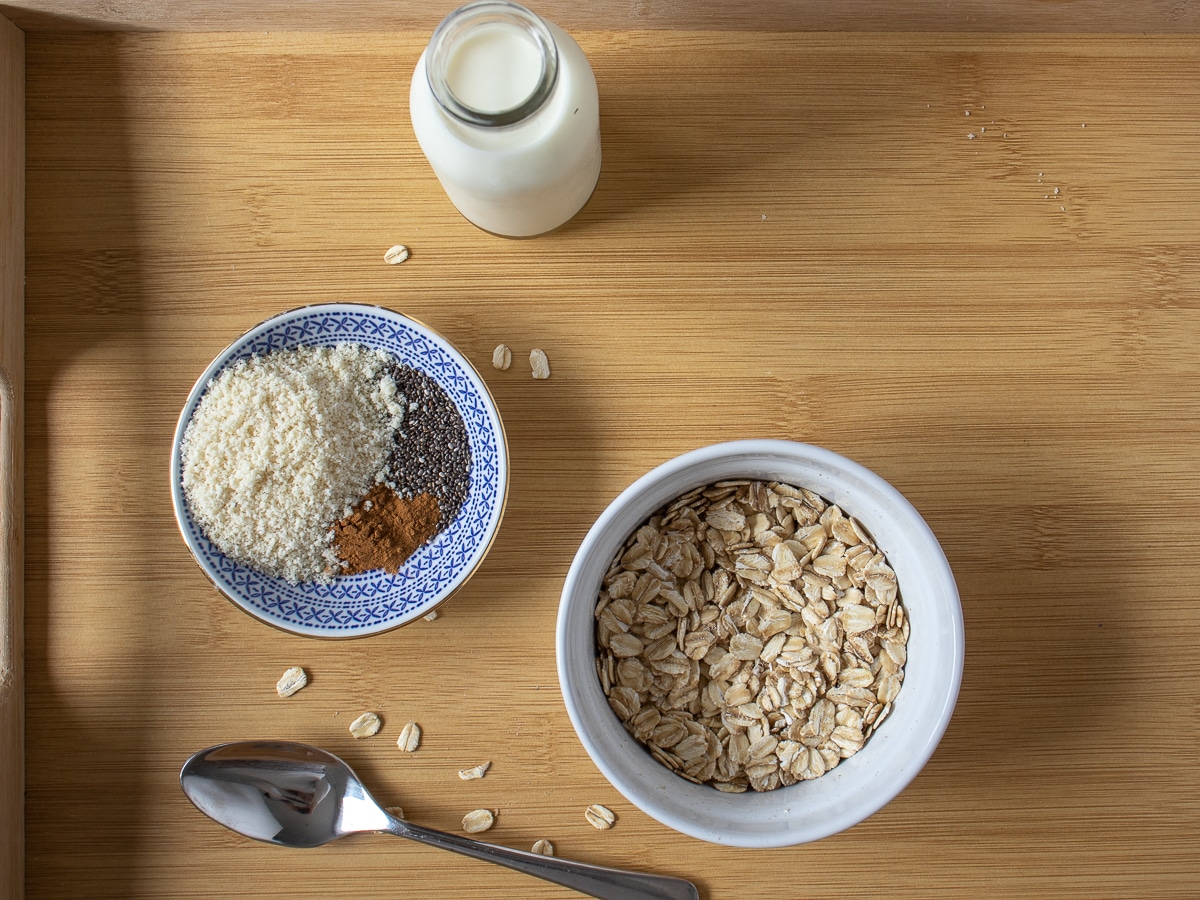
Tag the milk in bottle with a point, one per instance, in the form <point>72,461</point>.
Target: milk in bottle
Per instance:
<point>505,108</point>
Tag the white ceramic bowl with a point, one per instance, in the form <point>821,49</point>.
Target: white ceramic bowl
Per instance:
<point>372,602</point>
<point>859,786</point>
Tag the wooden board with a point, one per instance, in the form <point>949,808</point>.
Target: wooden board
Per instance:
<point>794,236</point>
<point>1017,16</point>
<point>12,452</point>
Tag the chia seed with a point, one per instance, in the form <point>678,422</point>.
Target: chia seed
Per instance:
<point>431,453</point>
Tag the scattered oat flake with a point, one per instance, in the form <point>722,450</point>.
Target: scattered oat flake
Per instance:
<point>431,616</point>
<point>293,679</point>
<point>396,255</point>
<point>478,820</point>
<point>600,817</point>
<point>501,357</point>
<point>410,737</point>
<point>543,848</point>
<point>540,364</point>
<point>474,772</point>
<point>396,812</point>
<point>970,137</point>
<point>366,725</point>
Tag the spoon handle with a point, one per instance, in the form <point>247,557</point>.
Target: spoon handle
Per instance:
<point>596,881</point>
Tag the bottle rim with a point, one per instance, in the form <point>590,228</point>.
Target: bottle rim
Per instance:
<point>455,26</point>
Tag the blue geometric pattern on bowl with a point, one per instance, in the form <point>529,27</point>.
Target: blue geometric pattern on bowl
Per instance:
<point>358,605</point>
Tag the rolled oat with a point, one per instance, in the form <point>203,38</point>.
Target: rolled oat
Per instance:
<point>600,817</point>
<point>396,255</point>
<point>366,725</point>
<point>751,635</point>
<point>292,680</point>
<point>478,820</point>
<point>410,737</point>
<point>540,364</point>
<point>475,772</point>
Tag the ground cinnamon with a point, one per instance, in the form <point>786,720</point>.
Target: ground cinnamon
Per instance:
<point>384,530</point>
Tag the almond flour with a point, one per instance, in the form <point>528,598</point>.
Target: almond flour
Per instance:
<point>281,446</point>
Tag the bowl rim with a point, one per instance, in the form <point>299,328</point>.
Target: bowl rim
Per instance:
<point>221,360</point>
<point>594,542</point>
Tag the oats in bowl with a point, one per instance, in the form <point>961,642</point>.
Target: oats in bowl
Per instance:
<point>737,722</point>
<point>750,635</point>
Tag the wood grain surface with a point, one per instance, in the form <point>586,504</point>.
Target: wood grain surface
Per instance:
<point>1013,16</point>
<point>794,236</point>
<point>12,453</point>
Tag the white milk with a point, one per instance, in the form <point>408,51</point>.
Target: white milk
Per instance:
<point>515,146</point>
<point>494,68</point>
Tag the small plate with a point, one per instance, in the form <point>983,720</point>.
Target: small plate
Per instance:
<point>359,605</point>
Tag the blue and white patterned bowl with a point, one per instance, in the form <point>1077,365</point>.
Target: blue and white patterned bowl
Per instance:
<point>359,605</point>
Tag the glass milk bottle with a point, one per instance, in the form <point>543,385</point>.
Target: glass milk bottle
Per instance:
<point>505,107</point>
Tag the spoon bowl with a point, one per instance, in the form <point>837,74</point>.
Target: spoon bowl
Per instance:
<point>295,795</point>
<point>281,793</point>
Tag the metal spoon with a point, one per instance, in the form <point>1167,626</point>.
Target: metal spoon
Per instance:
<point>298,796</point>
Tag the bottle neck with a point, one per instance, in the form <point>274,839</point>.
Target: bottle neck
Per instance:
<point>491,64</point>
